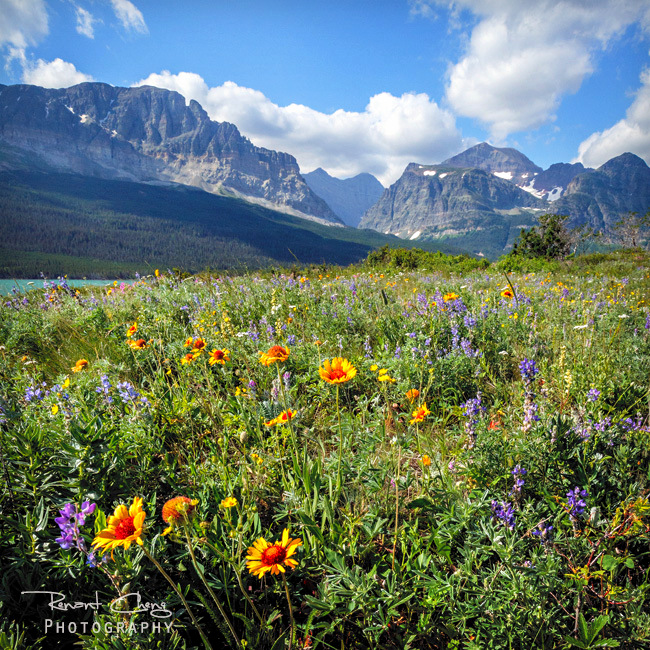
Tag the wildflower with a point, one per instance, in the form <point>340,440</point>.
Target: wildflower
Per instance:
<point>132,330</point>
<point>374,367</point>
<point>576,503</point>
<point>263,557</point>
<point>187,359</point>
<point>55,409</point>
<point>543,531</point>
<point>157,273</point>
<point>518,472</point>
<point>426,461</point>
<point>472,410</point>
<point>188,342</point>
<point>338,371</point>
<point>448,297</point>
<point>69,522</point>
<point>504,513</point>
<point>219,356</point>
<point>124,527</point>
<point>228,502</point>
<point>593,395</point>
<point>176,510</point>
<point>140,344</point>
<point>419,414</point>
<point>275,353</point>
<point>198,345</point>
<point>386,377</point>
<point>507,293</point>
<point>105,388</point>
<point>283,418</point>
<point>412,395</point>
<point>80,365</point>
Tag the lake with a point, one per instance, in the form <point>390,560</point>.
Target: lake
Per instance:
<point>6,286</point>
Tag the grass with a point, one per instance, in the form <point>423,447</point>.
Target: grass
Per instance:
<point>511,512</point>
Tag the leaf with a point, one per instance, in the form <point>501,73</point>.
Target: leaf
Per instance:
<point>609,562</point>
<point>629,563</point>
<point>420,503</point>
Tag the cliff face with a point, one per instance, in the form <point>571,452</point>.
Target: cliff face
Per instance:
<point>148,134</point>
<point>437,200</point>
<point>349,198</point>
<point>601,197</point>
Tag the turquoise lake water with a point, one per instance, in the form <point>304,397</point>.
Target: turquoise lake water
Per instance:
<point>6,286</point>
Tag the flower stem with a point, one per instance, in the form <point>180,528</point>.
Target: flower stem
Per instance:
<point>339,485</point>
<point>179,593</point>
<point>207,586</point>
<point>293,624</point>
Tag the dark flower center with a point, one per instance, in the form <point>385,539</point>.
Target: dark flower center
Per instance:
<point>274,555</point>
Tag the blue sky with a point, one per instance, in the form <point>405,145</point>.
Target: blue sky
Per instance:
<point>359,85</point>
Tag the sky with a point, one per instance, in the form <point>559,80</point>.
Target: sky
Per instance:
<point>364,85</point>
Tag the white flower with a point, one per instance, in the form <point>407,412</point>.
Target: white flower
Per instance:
<point>580,327</point>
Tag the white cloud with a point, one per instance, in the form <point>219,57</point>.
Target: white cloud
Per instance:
<point>85,22</point>
<point>130,16</point>
<point>523,57</point>
<point>53,74</point>
<point>382,140</point>
<point>629,134</point>
<point>23,22</point>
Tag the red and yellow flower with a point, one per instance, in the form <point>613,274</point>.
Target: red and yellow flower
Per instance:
<point>125,526</point>
<point>338,371</point>
<point>219,356</point>
<point>419,414</point>
<point>274,354</point>
<point>283,418</point>
<point>412,395</point>
<point>507,293</point>
<point>450,296</point>
<point>176,511</point>
<point>132,330</point>
<point>264,557</point>
<point>140,344</point>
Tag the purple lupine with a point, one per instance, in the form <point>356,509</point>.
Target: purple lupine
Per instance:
<point>472,410</point>
<point>518,472</point>
<point>504,513</point>
<point>593,395</point>
<point>576,502</point>
<point>529,371</point>
<point>543,531</point>
<point>105,389</point>
<point>130,395</point>
<point>71,519</point>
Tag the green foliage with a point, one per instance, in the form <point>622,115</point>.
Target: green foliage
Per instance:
<point>549,240</point>
<point>409,259</point>
<point>405,543</point>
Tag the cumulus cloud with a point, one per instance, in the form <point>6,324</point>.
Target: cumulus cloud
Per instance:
<point>130,16</point>
<point>85,22</point>
<point>523,57</point>
<point>382,140</point>
<point>629,134</point>
<point>24,22</point>
<point>53,74</point>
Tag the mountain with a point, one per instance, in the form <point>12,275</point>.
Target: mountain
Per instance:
<point>150,135</point>
<point>473,208</point>
<point>552,182</point>
<point>348,198</point>
<point>600,198</point>
<point>507,164</point>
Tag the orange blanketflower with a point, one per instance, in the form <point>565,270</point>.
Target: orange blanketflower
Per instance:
<point>275,353</point>
<point>198,345</point>
<point>263,557</point>
<point>140,344</point>
<point>420,413</point>
<point>219,356</point>
<point>450,296</point>
<point>283,418</point>
<point>188,358</point>
<point>412,395</point>
<point>80,365</point>
<point>132,330</point>
<point>506,293</point>
<point>177,510</point>
<point>188,341</point>
<point>125,526</point>
<point>338,371</point>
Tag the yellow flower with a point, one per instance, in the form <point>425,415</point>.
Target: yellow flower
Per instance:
<point>420,413</point>
<point>157,273</point>
<point>426,461</point>
<point>275,353</point>
<point>188,341</point>
<point>188,358</point>
<point>55,409</point>
<point>177,510</point>
<point>132,330</point>
<point>229,502</point>
<point>219,356</point>
<point>450,296</point>
<point>386,378</point>
<point>263,557</point>
<point>124,528</point>
<point>198,345</point>
<point>374,367</point>
<point>506,293</point>
<point>338,371</point>
<point>80,365</point>
<point>283,418</point>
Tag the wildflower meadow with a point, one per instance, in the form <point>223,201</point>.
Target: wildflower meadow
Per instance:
<point>360,457</point>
